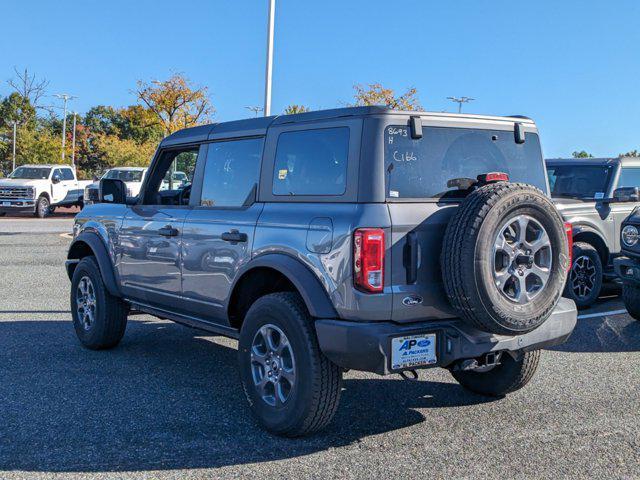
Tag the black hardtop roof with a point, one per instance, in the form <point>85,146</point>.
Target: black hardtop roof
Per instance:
<point>582,161</point>
<point>259,125</point>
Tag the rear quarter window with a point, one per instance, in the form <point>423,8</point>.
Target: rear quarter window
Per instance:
<point>311,162</point>
<point>421,168</point>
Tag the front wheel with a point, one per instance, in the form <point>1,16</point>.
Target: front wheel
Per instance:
<point>631,298</point>
<point>99,318</point>
<point>291,387</point>
<point>506,377</point>
<point>42,207</point>
<point>585,277</point>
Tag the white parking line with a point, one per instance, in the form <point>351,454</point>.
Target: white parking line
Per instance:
<point>601,314</point>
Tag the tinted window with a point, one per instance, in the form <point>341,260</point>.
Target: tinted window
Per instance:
<point>312,162</point>
<point>231,172</point>
<point>125,175</point>
<point>30,173</point>
<point>164,187</point>
<point>579,181</point>
<point>57,173</point>
<point>629,177</point>
<point>67,174</point>
<point>421,168</point>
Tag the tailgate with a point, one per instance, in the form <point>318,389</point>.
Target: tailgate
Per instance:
<point>416,280</point>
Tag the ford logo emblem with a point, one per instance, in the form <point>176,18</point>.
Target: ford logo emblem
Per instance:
<point>412,300</point>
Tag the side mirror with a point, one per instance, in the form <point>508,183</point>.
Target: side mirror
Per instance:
<point>626,194</point>
<point>56,179</point>
<point>112,190</point>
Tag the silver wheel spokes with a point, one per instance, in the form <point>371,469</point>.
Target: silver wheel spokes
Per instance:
<point>583,276</point>
<point>272,365</point>
<point>86,302</point>
<point>522,259</point>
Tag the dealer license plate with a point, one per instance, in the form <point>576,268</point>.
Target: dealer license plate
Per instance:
<point>413,351</point>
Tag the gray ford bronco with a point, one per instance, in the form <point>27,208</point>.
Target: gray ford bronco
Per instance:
<point>355,238</point>
<point>595,195</point>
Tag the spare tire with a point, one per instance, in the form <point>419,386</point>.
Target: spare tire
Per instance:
<point>505,258</point>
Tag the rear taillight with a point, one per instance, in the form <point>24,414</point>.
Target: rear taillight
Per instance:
<point>568,229</point>
<point>368,259</point>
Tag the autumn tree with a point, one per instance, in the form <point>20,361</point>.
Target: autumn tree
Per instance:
<point>376,94</point>
<point>581,154</point>
<point>294,108</point>
<point>632,153</point>
<point>176,102</point>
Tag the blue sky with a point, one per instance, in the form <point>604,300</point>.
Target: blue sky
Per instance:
<point>573,66</point>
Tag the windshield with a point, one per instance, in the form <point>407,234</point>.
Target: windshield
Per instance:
<point>31,173</point>
<point>124,175</point>
<point>579,181</point>
<point>421,168</point>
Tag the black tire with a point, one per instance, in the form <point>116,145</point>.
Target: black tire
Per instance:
<point>2,214</point>
<point>110,314</point>
<point>510,375</point>
<point>313,398</point>
<point>42,207</point>
<point>631,298</point>
<point>468,257</point>
<point>584,281</point>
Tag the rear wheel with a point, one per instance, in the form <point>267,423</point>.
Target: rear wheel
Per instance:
<point>99,318</point>
<point>631,298</point>
<point>42,207</point>
<point>291,387</point>
<point>506,377</point>
<point>585,277</point>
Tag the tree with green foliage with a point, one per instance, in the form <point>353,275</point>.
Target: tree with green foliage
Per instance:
<point>294,108</point>
<point>581,154</point>
<point>632,153</point>
<point>376,94</point>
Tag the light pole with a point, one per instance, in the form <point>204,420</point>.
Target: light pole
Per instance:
<point>460,101</point>
<point>267,83</point>
<point>65,97</point>
<point>254,109</point>
<point>73,141</point>
<point>15,127</point>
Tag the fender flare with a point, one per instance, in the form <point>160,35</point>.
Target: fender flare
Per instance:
<point>99,249</point>
<point>579,228</point>
<point>306,282</point>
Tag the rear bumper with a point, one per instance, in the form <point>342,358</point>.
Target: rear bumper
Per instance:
<point>628,269</point>
<point>367,345</point>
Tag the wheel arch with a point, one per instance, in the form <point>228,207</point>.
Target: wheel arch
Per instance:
<point>583,233</point>
<point>274,272</point>
<point>86,244</point>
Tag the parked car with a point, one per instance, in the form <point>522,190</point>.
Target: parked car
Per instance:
<point>40,189</point>
<point>355,238</point>
<point>131,176</point>
<point>586,192</point>
<point>627,265</point>
<point>174,181</point>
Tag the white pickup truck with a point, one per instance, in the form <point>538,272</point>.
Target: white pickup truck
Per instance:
<point>40,189</point>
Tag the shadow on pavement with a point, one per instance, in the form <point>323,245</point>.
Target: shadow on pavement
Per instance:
<point>166,398</point>
<point>609,333</point>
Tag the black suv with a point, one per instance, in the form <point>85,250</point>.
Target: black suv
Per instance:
<point>355,238</point>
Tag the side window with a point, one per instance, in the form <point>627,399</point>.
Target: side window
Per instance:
<point>629,177</point>
<point>172,177</point>
<point>57,172</point>
<point>231,172</point>
<point>311,162</point>
<point>67,174</point>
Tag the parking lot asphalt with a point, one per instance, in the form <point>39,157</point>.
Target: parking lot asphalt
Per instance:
<point>167,402</point>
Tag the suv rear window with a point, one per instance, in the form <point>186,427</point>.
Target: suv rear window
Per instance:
<point>312,162</point>
<point>579,181</point>
<point>420,168</point>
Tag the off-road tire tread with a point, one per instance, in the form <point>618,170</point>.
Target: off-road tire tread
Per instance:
<point>631,298</point>
<point>585,247</point>
<point>463,227</point>
<point>115,311</point>
<point>328,379</point>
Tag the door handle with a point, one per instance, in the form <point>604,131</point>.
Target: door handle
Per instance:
<point>234,236</point>
<point>168,231</point>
